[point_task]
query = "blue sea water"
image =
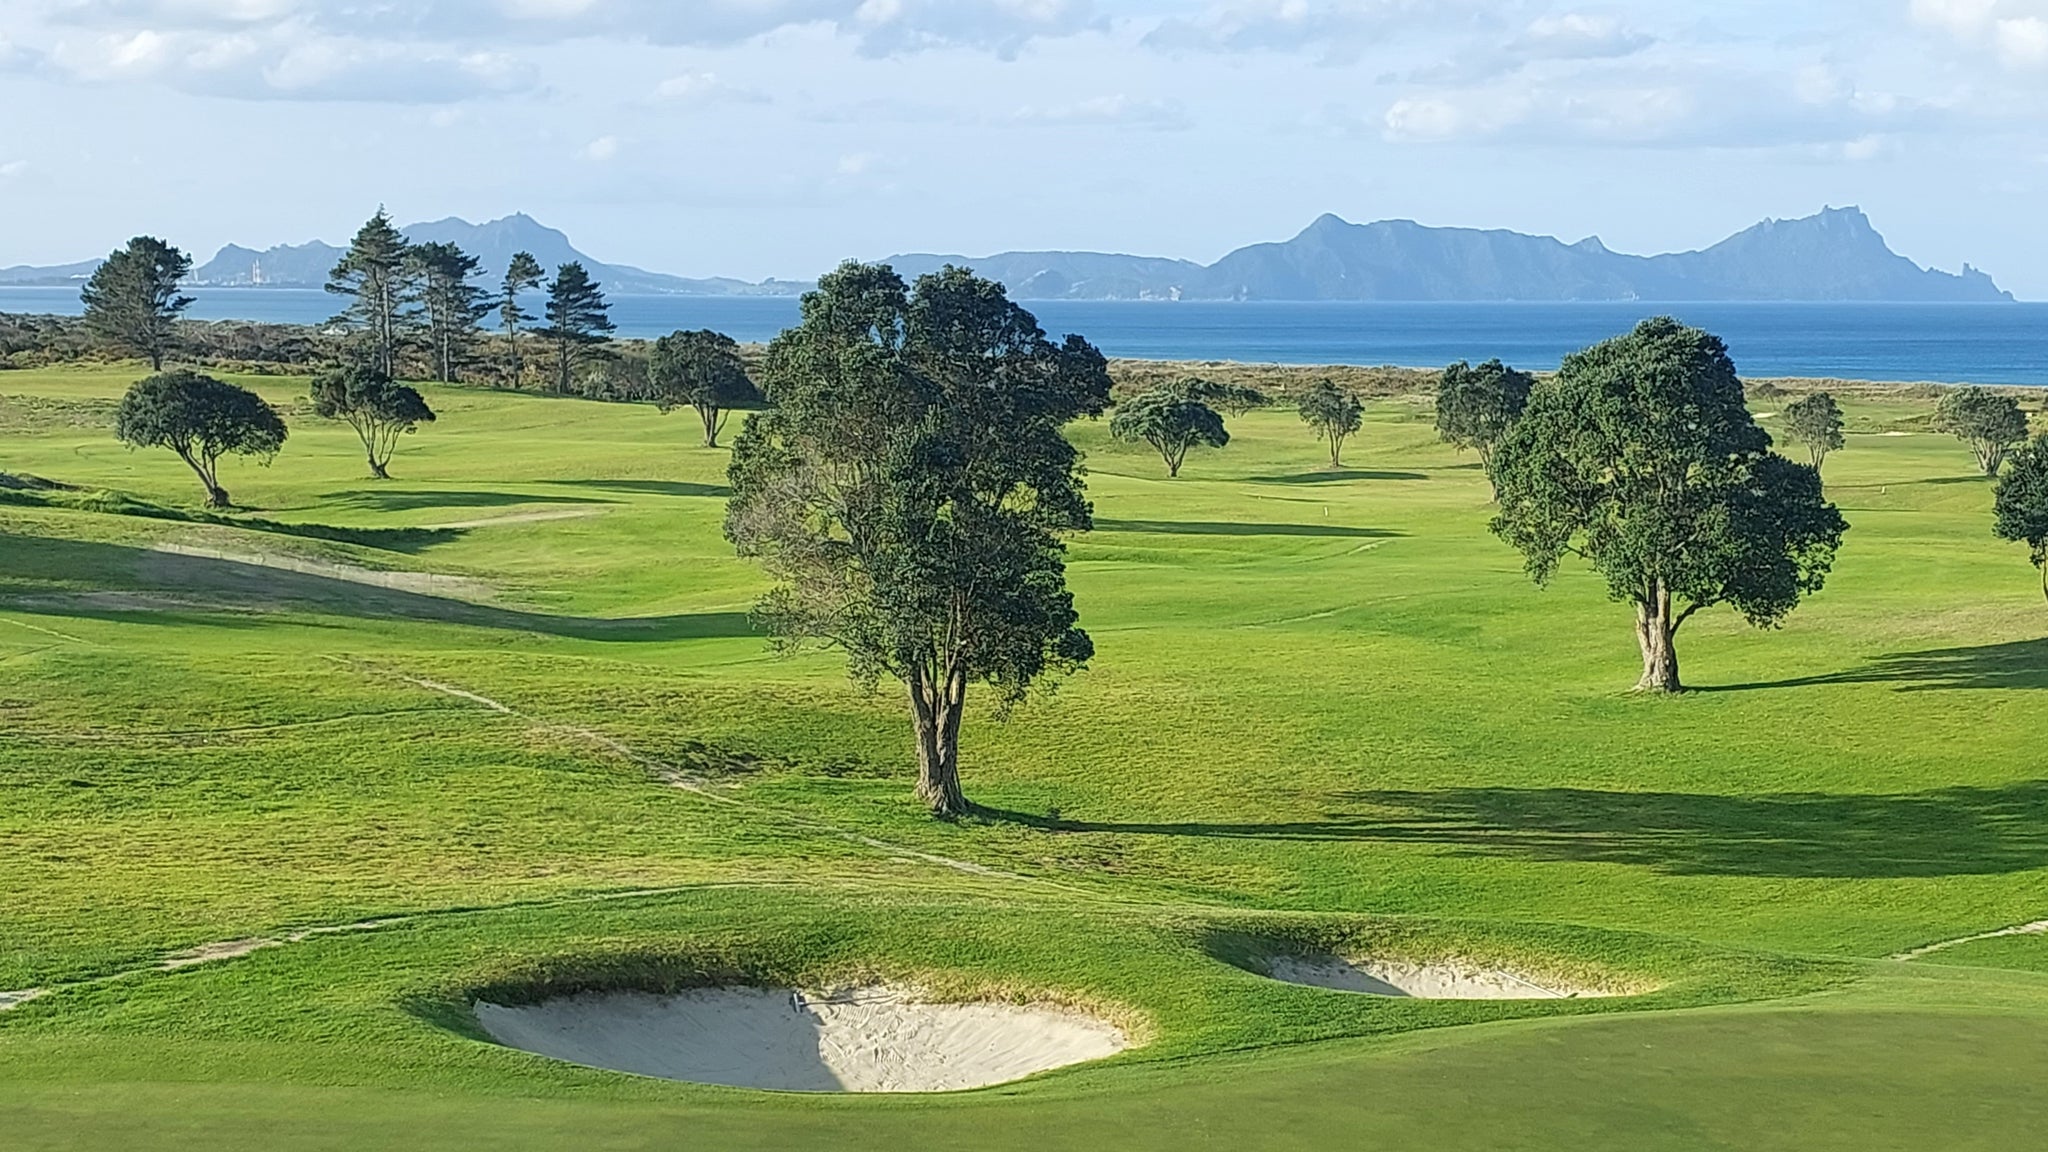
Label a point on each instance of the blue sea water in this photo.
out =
(1970, 343)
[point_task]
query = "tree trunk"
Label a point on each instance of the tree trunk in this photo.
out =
(217, 497)
(377, 471)
(1656, 631)
(935, 709)
(709, 415)
(1336, 452)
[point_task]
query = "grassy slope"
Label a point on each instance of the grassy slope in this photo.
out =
(1325, 694)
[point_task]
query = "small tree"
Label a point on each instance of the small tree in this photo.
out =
(201, 419)
(1816, 422)
(1475, 407)
(1335, 415)
(1640, 457)
(910, 490)
(1991, 423)
(132, 302)
(2021, 505)
(523, 274)
(578, 320)
(453, 304)
(379, 408)
(376, 274)
(1170, 422)
(700, 370)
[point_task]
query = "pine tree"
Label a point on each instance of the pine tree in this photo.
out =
(453, 305)
(522, 275)
(578, 320)
(378, 276)
(132, 301)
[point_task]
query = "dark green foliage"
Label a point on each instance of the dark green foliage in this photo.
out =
(1991, 423)
(377, 274)
(132, 303)
(1640, 457)
(1335, 415)
(1171, 422)
(1222, 395)
(578, 320)
(2021, 506)
(701, 370)
(910, 487)
(452, 303)
(1475, 407)
(379, 408)
(1816, 422)
(201, 419)
(523, 274)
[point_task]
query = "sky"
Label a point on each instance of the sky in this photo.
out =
(763, 138)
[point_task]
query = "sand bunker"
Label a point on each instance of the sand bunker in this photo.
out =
(1448, 980)
(873, 1039)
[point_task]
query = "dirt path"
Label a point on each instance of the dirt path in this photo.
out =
(2037, 928)
(519, 518)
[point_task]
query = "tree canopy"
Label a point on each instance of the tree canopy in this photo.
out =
(2021, 504)
(578, 320)
(701, 370)
(1991, 423)
(379, 408)
(1640, 457)
(1222, 395)
(1335, 415)
(1171, 422)
(132, 301)
(1815, 421)
(909, 490)
(377, 275)
(201, 419)
(1475, 407)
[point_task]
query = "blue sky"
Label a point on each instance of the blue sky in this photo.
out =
(774, 137)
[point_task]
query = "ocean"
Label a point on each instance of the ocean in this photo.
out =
(1957, 343)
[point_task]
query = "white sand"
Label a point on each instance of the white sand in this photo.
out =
(1450, 980)
(872, 1039)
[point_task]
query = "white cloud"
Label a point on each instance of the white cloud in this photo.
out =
(2023, 41)
(856, 163)
(12, 168)
(1337, 30)
(603, 148)
(2014, 31)
(1116, 110)
(706, 88)
(1579, 36)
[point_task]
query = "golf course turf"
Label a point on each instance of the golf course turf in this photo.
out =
(499, 727)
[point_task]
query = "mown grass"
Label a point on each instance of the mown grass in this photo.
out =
(1327, 707)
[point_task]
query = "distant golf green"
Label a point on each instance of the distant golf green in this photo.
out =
(372, 748)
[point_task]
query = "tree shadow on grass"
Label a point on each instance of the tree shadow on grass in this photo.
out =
(1943, 832)
(2017, 664)
(408, 500)
(130, 579)
(1231, 528)
(650, 487)
(1337, 476)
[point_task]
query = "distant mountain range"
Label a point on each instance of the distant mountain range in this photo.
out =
(1833, 256)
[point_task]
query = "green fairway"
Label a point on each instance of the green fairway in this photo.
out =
(421, 738)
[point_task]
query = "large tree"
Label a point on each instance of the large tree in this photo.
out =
(377, 275)
(523, 274)
(1171, 422)
(1991, 423)
(132, 301)
(453, 304)
(379, 408)
(201, 419)
(910, 489)
(2021, 505)
(1475, 407)
(1640, 457)
(700, 370)
(1815, 421)
(578, 320)
(1335, 415)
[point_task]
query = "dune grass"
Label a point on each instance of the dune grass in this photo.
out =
(1327, 706)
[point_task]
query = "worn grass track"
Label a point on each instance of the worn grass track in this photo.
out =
(1327, 706)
